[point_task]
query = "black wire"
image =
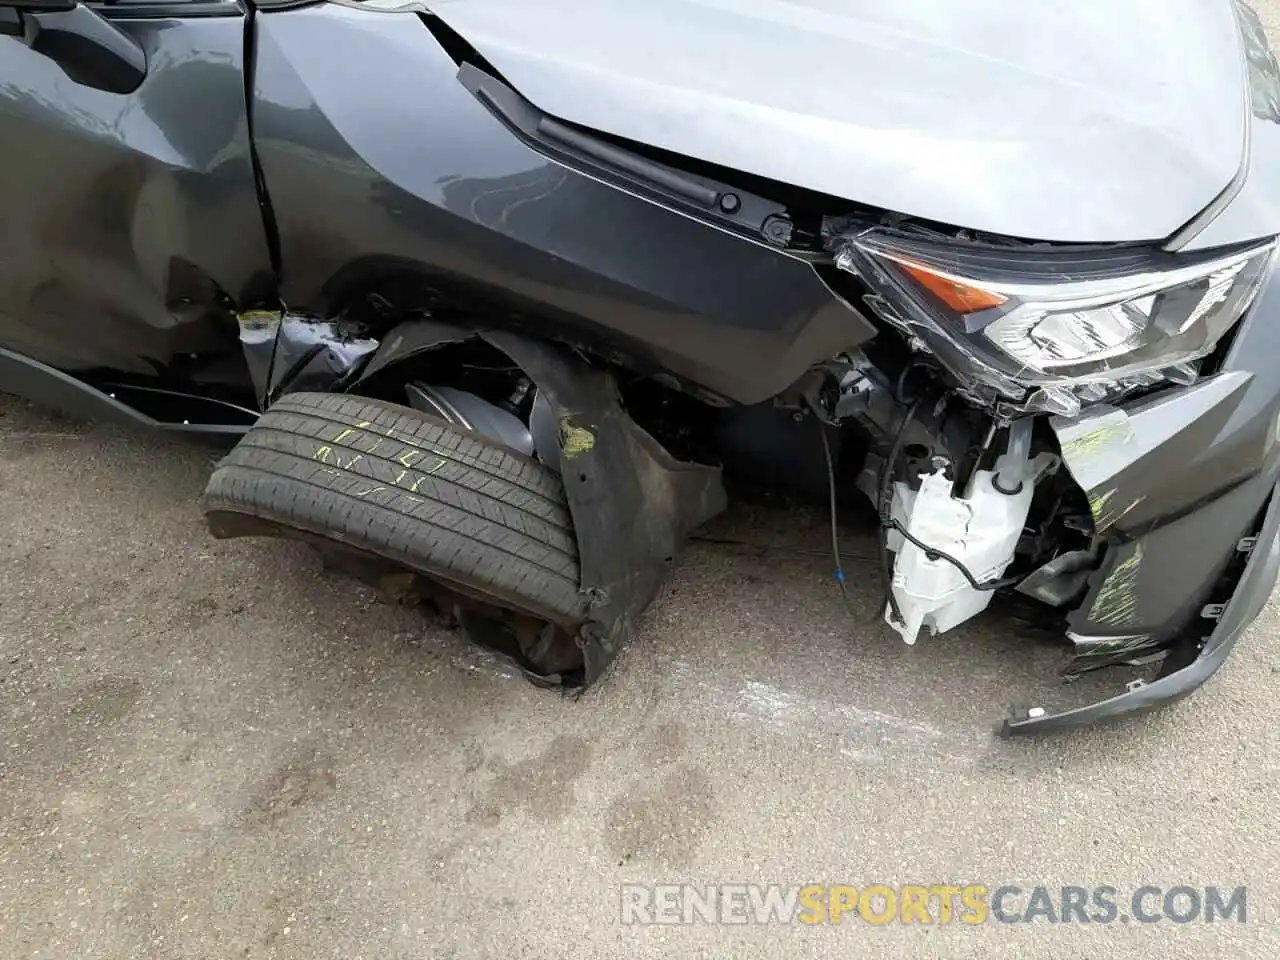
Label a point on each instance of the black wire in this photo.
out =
(899, 385)
(933, 552)
(884, 505)
(831, 489)
(835, 533)
(887, 523)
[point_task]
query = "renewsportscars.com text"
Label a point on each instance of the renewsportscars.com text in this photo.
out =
(926, 904)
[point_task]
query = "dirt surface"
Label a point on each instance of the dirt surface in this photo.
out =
(216, 749)
(219, 750)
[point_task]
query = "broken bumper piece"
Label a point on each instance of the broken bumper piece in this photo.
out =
(1251, 594)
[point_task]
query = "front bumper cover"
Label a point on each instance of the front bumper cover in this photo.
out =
(1177, 499)
(1251, 594)
(1177, 482)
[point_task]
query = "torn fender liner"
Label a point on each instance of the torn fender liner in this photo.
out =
(410, 339)
(632, 503)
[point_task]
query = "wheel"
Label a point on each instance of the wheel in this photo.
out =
(404, 489)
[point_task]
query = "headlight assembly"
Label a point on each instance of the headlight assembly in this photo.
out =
(1050, 329)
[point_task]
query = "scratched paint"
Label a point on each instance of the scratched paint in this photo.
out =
(1106, 510)
(1117, 601)
(1098, 503)
(1113, 429)
(1106, 651)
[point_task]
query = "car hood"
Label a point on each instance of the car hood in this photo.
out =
(1080, 121)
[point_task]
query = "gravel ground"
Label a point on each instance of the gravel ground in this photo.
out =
(219, 750)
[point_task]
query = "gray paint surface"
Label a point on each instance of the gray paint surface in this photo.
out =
(126, 218)
(477, 206)
(1082, 121)
(1255, 210)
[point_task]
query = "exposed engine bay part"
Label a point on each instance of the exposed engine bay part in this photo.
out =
(943, 542)
(1062, 579)
(958, 492)
(891, 411)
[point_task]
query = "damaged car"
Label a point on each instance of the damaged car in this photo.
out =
(490, 296)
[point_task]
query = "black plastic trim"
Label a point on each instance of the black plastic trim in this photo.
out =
(51, 387)
(579, 150)
(630, 163)
(173, 9)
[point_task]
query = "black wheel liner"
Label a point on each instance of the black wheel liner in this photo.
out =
(632, 503)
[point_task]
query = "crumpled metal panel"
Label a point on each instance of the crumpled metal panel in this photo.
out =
(287, 353)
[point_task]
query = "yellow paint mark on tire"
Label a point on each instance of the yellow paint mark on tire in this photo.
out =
(350, 430)
(404, 460)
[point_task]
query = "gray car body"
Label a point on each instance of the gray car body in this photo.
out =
(347, 133)
(1087, 122)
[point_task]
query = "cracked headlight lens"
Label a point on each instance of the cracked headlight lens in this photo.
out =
(1048, 328)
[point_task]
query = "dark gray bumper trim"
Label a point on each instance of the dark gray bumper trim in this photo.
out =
(1251, 594)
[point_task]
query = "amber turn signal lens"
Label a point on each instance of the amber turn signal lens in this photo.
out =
(957, 295)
